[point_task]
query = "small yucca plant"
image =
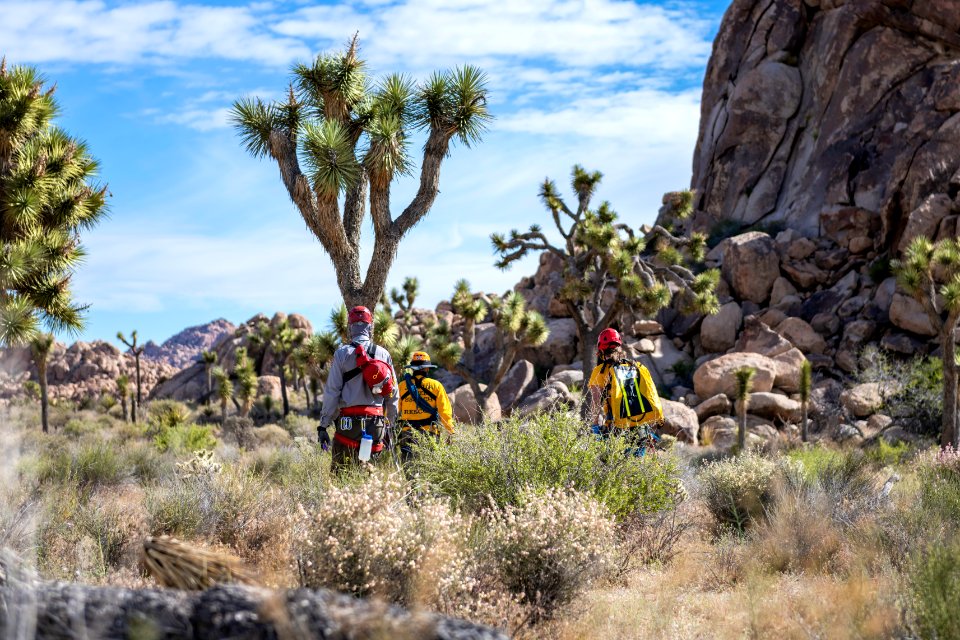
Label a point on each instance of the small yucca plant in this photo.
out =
(806, 375)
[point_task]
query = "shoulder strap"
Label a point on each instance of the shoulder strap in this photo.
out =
(353, 373)
(418, 400)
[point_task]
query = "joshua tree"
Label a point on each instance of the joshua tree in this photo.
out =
(608, 268)
(316, 353)
(47, 198)
(405, 298)
(224, 391)
(931, 274)
(284, 342)
(209, 359)
(353, 138)
(137, 351)
(123, 390)
(806, 374)
(516, 326)
(744, 377)
(40, 346)
(246, 378)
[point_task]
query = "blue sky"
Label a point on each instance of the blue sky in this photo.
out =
(199, 230)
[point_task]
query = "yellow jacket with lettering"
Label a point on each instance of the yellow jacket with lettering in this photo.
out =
(433, 393)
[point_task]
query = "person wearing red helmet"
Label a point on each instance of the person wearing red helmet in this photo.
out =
(621, 394)
(360, 398)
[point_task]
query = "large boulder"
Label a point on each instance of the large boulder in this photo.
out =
(665, 358)
(519, 382)
(717, 375)
(467, 409)
(799, 124)
(543, 399)
(774, 406)
(718, 332)
(269, 386)
(863, 400)
(802, 335)
(680, 421)
(751, 265)
(757, 337)
(908, 314)
(560, 347)
(788, 366)
(718, 405)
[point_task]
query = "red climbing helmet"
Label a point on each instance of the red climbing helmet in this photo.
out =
(360, 314)
(608, 338)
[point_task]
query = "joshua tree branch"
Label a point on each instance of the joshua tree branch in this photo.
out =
(433, 154)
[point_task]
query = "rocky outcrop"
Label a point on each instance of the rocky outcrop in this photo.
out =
(80, 372)
(185, 347)
(837, 118)
(63, 610)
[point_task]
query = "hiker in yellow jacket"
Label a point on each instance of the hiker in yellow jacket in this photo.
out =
(424, 404)
(622, 395)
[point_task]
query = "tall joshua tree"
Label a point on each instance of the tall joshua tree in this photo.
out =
(224, 391)
(516, 325)
(931, 274)
(209, 359)
(744, 376)
(352, 137)
(123, 390)
(137, 351)
(602, 256)
(284, 341)
(246, 378)
(40, 346)
(405, 297)
(47, 198)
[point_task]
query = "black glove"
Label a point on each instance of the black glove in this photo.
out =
(323, 438)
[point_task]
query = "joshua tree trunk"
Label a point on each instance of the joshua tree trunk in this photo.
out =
(209, 383)
(123, 407)
(44, 398)
(223, 411)
(136, 406)
(804, 424)
(742, 428)
(948, 437)
(283, 390)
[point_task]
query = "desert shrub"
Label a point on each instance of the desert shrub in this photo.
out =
(107, 402)
(915, 389)
(934, 584)
(273, 464)
(76, 428)
(271, 435)
(92, 463)
(371, 539)
(162, 414)
(229, 507)
(885, 454)
(651, 538)
(737, 490)
(184, 438)
(548, 450)
(938, 502)
(552, 545)
(813, 459)
(307, 479)
(110, 531)
(297, 425)
(32, 389)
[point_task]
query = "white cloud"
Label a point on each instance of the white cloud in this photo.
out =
(200, 119)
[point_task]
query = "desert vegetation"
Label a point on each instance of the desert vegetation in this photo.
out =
(525, 524)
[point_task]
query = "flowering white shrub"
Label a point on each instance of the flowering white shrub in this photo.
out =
(552, 545)
(373, 538)
(736, 489)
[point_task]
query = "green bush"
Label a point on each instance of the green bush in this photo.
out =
(885, 454)
(934, 581)
(549, 450)
(88, 464)
(163, 414)
(185, 438)
(915, 398)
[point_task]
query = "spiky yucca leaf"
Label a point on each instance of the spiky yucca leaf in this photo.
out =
(329, 154)
(533, 329)
(224, 387)
(387, 155)
(254, 121)
(385, 329)
(338, 322)
(176, 565)
(744, 377)
(951, 293)
(403, 349)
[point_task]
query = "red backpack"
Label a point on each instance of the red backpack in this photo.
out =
(377, 374)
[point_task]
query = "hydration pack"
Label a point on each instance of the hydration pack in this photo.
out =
(632, 398)
(377, 374)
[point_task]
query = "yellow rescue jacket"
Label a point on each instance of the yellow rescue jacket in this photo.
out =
(433, 393)
(627, 394)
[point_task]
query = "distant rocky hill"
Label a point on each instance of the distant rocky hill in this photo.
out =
(185, 347)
